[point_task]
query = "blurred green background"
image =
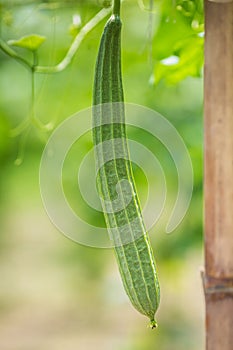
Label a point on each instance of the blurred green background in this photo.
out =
(54, 293)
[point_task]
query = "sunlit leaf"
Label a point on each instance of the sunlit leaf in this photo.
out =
(31, 42)
(178, 42)
(186, 61)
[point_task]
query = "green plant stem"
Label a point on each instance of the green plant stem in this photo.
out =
(34, 120)
(70, 53)
(75, 44)
(35, 59)
(10, 52)
(116, 7)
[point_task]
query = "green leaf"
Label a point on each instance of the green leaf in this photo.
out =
(31, 42)
(187, 60)
(7, 18)
(178, 41)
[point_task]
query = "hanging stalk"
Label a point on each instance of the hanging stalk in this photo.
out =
(218, 276)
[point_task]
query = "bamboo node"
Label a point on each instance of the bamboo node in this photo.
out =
(213, 285)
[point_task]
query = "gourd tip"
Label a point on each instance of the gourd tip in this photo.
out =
(153, 324)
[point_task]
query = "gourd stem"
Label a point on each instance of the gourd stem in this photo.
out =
(116, 7)
(10, 52)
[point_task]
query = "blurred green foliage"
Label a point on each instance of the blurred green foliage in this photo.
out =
(46, 276)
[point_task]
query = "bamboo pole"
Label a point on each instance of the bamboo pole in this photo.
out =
(218, 179)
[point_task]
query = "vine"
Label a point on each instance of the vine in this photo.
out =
(182, 56)
(5, 47)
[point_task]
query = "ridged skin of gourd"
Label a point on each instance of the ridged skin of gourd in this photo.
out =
(125, 225)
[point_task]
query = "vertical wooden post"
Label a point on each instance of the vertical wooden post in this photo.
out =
(218, 183)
